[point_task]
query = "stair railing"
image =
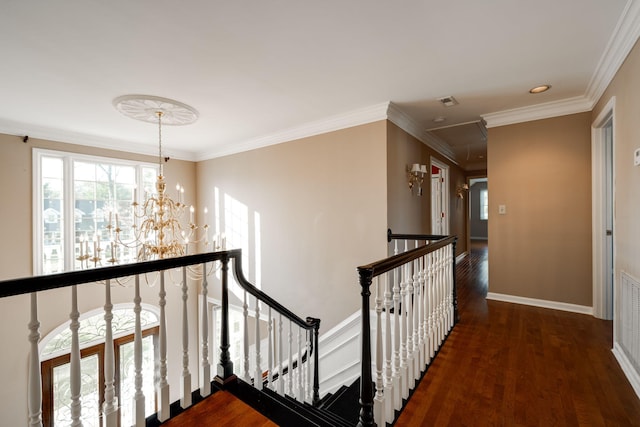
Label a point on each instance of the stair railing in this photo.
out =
(38, 286)
(287, 369)
(415, 308)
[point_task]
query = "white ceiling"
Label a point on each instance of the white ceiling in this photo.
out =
(259, 72)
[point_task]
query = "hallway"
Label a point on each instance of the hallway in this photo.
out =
(507, 364)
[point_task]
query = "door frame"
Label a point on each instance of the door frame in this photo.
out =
(603, 295)
(445, 193)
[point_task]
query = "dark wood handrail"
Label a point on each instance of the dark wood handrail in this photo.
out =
(26, 285)
(308, 323)
(367, 273)
(391, 236)
(382, 266)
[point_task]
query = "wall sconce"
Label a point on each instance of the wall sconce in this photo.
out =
(415, 176)
(461, 189)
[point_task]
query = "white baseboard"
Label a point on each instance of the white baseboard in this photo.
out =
(627, 367)
(461, 256)
(555, 305)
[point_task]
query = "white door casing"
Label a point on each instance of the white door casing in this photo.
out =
(439, 198)
(603, 218)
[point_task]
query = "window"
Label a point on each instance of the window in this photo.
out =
(76, 197)
(484, 204)
(56, 376)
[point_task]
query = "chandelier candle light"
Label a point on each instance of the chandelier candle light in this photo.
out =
(157, 229)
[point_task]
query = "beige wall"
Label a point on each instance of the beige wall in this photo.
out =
(54, 306)
(409, 213)
(541, 171)
(626, 88)
(321, 203)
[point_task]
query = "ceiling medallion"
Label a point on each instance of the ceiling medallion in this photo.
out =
(146, 108)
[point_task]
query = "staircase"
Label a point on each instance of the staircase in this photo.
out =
(339, 409)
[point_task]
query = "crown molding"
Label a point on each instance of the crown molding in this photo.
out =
(622, 40)
(578, 104)
(409, 125)
(353, 118)
(87, 140)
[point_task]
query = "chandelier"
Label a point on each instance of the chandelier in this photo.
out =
(158, 230)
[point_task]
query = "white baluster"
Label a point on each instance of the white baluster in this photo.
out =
(245, 316)
(415, 302)
(404, 383)
(307, 383)
(35, 378)
(397, 373)
(270, 353)
(429, 292)
(440, 297)
(410, 348)
(76, 405)
(162, 388)
(257, 379)
(421, 310)
(425, 308)
(138, 398)
(290, 368)
(299, 368)
(110, 406)
(205, 385)
(450, 259)
(378, 400)
(280, 373)
(185, 392)
(388, 381)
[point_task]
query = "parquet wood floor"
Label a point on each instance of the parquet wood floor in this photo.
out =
(514, 365)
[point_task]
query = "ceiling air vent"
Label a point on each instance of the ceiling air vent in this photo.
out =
(448, 101)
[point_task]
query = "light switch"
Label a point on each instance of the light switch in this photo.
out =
(502, 209)
(636, 157)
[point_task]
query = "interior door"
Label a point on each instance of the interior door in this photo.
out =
(437, 208)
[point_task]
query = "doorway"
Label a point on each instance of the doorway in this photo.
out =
(439, 198)
(603, 225)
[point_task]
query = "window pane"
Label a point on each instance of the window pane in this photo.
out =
(89, 394)
(484, 204)
(52, 215)
(92, 330)
(127, 380)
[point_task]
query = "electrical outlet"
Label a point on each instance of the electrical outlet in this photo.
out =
(502, 209)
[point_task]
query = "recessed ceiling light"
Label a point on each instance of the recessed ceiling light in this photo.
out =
(540, 89)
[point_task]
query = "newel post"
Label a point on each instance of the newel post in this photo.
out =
(316, 381)
(225, 367)
(366, 383)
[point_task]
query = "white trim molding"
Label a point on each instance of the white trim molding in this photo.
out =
(563, 107)
(620, 44)
(622, 40)
(398, 117)
(627, 368)
(346, 120)
(554, 305)
(602, 296)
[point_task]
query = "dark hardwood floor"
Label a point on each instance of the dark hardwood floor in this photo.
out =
(514, 365)
(222, 409)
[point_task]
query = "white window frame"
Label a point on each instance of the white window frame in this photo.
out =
(68, 203)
